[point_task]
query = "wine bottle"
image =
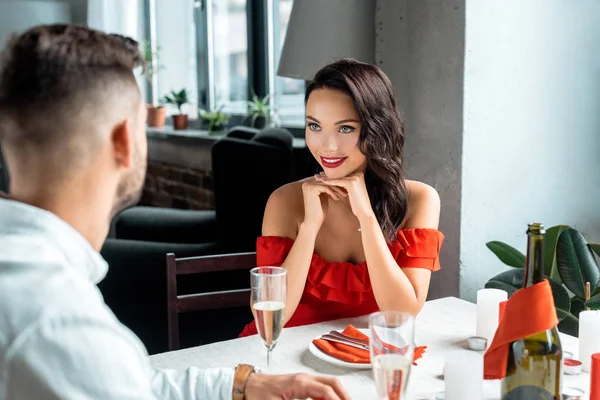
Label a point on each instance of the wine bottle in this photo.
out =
(534, 368)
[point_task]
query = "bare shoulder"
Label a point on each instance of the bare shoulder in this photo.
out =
(288, 196)
(423, 206)
(284, 210)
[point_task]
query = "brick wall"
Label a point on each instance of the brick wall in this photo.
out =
(172, 186)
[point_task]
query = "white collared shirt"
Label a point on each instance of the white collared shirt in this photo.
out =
(58, 340)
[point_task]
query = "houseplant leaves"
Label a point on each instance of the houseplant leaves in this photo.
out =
(594, 302)
(550, 242)
(507, 254)
(509, 281)
(576, 262)
(595, 247)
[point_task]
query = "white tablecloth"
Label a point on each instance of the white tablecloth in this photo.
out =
(442, 325)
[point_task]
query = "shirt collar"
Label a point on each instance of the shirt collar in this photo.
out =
(23, 219)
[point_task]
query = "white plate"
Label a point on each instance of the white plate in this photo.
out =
(332, 360)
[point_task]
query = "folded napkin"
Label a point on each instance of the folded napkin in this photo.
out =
(528, 311)
(352, 354)
(501, 309)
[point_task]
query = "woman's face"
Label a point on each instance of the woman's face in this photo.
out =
(332, 131)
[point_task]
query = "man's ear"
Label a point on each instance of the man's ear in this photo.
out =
(122, 143)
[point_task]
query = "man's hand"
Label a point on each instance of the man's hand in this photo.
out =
(296, 386)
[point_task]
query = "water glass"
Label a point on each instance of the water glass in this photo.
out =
(392, 350)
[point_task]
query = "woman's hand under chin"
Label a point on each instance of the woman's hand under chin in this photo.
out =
(354, 185)
(316, 203)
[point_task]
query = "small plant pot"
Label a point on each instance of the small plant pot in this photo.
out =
(217, 130)
(156, 116)
(260, 122)
(180, 121)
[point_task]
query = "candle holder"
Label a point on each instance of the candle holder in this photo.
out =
(572, 393)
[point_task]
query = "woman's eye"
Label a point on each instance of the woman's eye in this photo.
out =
(346, 129)
(314, 127)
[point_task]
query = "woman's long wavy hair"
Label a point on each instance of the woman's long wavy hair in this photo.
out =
(381, 137)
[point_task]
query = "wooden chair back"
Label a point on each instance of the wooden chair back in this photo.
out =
(177, 304)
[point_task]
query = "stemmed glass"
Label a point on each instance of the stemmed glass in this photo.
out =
(269, 286)
(392, 350)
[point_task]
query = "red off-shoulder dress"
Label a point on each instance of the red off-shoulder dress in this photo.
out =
(336, 290)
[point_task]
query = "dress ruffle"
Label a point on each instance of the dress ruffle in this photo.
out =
(349, 283)
(342, 290)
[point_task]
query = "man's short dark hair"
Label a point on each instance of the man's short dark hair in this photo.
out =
(60, 81)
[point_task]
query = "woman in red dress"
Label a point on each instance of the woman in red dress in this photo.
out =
(358, 237)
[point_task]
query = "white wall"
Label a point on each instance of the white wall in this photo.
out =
(420, 46)
(531, 140)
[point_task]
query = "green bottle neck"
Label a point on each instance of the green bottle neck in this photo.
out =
(534, 263)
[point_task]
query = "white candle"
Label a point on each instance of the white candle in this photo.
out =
(463, 375)
(589, 337)
(488, 309)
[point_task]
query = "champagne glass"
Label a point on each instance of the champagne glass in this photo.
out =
(392, 348)
(269, 286)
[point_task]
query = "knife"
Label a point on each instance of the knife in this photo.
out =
(332, 338)
(346, 337)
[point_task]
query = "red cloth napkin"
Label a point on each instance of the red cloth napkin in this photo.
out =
(501, 309)
(595, 377)
(352, 354)
(528, 311)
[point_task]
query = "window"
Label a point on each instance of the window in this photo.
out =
(175, 37)
(229, 43)
(222, 51)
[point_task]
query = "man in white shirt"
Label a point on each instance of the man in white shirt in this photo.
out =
(72, 126)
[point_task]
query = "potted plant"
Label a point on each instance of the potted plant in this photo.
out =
(178, 99)
(569, 263)
(156, 114)
(259, 111)
(216, 120)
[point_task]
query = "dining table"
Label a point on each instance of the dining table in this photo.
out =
(442, 325)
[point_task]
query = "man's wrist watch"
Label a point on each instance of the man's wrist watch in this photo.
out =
(240, 380)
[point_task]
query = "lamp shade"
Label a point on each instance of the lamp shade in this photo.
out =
(19, 15)
(320, 32)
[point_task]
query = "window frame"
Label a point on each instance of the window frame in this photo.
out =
(262, 72)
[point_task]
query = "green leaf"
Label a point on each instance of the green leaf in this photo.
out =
(562, 315)
(577, 306)
(570, 322)
(594, 302)
(550, 241)
(595, 247)
(510, 281)
(576, 262)
(562, 301)
(507, 254)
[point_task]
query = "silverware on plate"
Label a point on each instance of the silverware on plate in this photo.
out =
(346, 337)
(347, 342)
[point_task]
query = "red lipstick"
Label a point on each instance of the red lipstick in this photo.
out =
(332, 162)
